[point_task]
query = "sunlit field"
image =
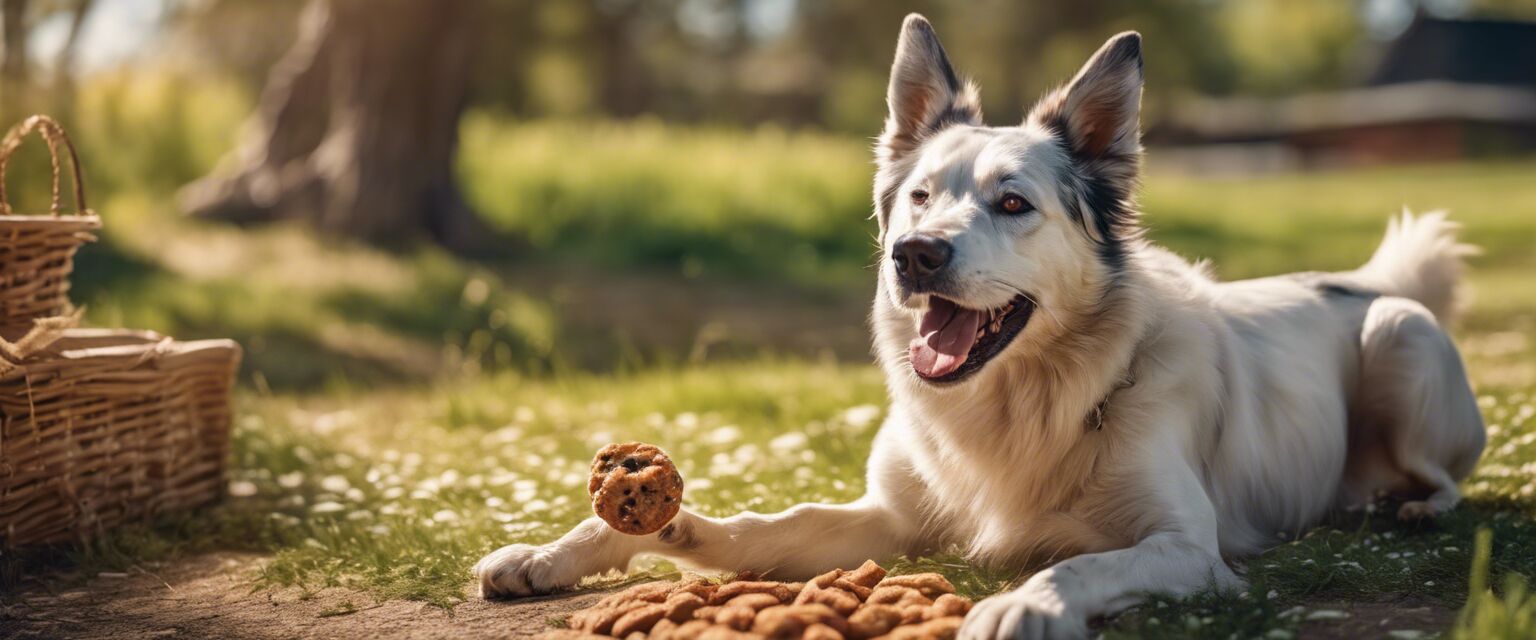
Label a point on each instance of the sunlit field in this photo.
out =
(403, 412)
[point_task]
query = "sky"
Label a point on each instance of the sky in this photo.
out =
(116, 31)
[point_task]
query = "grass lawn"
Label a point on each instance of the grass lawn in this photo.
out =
(405, 412)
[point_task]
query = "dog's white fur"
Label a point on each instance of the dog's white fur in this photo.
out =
(1233, 414)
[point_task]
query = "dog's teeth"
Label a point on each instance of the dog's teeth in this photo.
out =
(981, 332)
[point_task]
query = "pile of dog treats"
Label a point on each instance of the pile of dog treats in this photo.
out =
(861, 604)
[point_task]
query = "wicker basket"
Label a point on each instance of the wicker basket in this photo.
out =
(37, 251)
(103, 426)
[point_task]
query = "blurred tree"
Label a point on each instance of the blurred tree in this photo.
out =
(19, 84)
(357, 127)
(64, 62)
(13, 57)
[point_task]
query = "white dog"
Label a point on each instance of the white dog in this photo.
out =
(1067, 397)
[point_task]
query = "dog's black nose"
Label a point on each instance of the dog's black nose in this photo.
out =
(919, 256)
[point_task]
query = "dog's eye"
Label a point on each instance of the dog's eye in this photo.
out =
(919, 196)
(1014, 203)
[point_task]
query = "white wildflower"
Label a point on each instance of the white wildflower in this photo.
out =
(327, 507)
(861, 416)
(792, 441)
(724, 435)
(335, 484)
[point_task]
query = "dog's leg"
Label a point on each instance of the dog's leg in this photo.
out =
(802, 541)
(1419, 404)
(1179, 558)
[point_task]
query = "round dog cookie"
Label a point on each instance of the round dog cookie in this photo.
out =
(635, 488)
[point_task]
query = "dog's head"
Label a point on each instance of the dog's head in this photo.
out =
(988, 232)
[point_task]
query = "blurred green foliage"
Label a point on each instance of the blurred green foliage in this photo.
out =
(1490, 616)
(754, 202)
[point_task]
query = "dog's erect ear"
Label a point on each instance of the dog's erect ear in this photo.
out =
(925, 95)
(1099, 112)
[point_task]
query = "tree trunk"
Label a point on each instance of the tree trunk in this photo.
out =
(357, 128)
(13, 60)
(13, 19)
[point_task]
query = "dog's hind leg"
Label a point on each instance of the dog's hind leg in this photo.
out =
(1416, 415)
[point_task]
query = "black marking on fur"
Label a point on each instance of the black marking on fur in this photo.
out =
(1338, 290)
(952, 115)
(1110, 216)
(1332, 286)
(952, 80)
(679, 535)
(1103, 177)
(1127, 50)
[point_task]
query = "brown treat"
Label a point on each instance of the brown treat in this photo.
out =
(754, 601)
(645, 592)
(641, 619)
(794, 589)
(929, 584)
(635, 488)
(826, 579)
(912, 613)
(699, 587)
(663, 629)
(841, 601)
(705, 613)
(733, 589)
(945, 628)
(738, 618)
(852, 587)
(691, 630)
(569, 634)
(722, 632)
(913, 599)
(600, 620)
(681, 606)
(948, 605)
(777, 622)
(867, 575)
(820, 631)
(884, 594)
(942, 629)
(790, 621)
(632, 455)
(873, 620)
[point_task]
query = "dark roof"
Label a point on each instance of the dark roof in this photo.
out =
(1497, 52)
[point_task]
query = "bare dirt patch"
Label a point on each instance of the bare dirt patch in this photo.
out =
(209, 596)
(1376, 619)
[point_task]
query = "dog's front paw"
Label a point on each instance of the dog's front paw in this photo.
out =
(521, 570)
(1025, 614)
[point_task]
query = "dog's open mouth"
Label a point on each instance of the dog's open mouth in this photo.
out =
(953, 342)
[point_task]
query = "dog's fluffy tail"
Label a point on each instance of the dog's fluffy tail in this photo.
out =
(1421, 259)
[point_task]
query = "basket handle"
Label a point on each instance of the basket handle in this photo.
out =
(52, 134)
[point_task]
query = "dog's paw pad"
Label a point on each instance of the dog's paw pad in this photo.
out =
(1416, 511)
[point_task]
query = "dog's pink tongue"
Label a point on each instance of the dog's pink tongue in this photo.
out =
(947, 332)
